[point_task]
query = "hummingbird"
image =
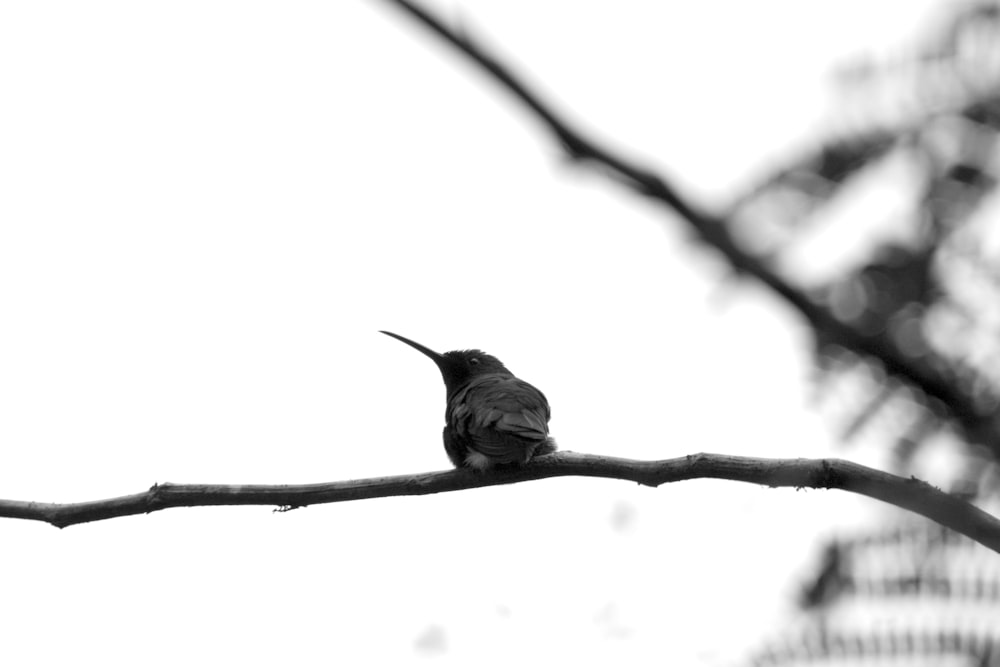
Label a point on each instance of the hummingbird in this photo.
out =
(492, 418)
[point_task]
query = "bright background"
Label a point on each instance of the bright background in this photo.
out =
(207, 211)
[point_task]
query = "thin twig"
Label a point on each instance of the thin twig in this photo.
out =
(980, 424)
(910, 494)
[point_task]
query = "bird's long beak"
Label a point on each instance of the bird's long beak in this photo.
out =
(435, 357)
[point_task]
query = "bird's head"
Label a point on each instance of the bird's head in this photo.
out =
(458, 366)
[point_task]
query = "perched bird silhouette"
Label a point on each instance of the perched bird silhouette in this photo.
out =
(492, 418)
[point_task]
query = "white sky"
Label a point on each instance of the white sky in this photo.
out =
(207, 211)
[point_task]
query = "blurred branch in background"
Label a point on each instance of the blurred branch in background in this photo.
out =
(875, 318)
(910, 494)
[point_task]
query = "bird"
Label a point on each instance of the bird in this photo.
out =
(492, 418)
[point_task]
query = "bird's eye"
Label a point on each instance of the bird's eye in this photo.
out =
(474, 361)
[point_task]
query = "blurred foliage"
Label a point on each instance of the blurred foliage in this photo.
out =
(913, 592)
(920, 131)
(923, 132)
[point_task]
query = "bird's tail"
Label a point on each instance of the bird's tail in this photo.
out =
(547, 446)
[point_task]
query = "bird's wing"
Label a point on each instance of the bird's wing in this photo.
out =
(503, 416)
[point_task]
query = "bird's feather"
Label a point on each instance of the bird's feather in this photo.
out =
(501, 417)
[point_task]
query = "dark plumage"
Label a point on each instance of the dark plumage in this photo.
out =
(492, 418)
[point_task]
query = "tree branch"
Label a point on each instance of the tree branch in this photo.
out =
(910, 494)
(980, 423)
